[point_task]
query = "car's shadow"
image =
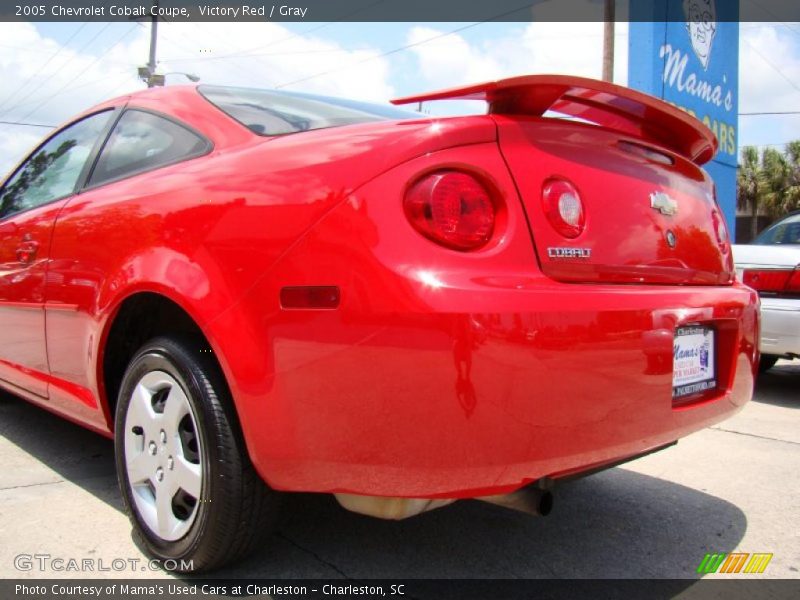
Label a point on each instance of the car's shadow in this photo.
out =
(614, 524)
(779, 385)
(74, 453)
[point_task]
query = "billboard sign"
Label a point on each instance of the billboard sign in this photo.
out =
(687, 53)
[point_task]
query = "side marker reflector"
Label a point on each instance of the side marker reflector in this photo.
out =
(310, 297)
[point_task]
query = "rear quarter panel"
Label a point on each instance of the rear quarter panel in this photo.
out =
(204, 233)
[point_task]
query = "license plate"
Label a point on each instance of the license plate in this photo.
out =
(693, 364)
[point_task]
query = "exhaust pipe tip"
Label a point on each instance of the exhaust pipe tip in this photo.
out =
(545, 503)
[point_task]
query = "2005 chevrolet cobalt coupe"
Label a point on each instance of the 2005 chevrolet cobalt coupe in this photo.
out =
(255, 292)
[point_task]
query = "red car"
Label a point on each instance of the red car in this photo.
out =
(256, 291)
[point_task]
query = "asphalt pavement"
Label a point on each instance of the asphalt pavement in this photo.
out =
(732, 487)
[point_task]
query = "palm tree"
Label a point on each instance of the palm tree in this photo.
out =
(769, 183)
(748, 185)
(792, 153)
(776, 176)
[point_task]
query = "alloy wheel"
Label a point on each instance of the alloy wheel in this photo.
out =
(163, 458)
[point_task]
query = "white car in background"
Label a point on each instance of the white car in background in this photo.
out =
(771, 265)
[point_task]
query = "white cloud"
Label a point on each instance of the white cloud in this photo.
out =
(769, 78)
(45, 86)
(14, 146)
(542, 47)
(74, 81)
(269, 55)
(769, 68)
(766, 52)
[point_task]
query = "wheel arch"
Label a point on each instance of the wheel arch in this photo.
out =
(133, 319)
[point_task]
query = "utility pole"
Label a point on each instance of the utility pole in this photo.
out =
(148, 73)
(151, 64)
(608, 40)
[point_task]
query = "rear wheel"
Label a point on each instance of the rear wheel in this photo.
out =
(767, 362)
(189, 487)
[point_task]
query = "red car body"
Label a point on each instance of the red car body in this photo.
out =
(428, 372)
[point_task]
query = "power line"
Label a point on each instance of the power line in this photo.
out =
(294, 52)
(767, 145)
(102, 79)
(247, 72)
(248, 52)
(79, 75)
(775, 17)
(42, 68)
(28, 124)
(401, 48)
(770, 63)
(777, 112)
(260, 54)
(26, 49)
(21, 101)
(65, 45)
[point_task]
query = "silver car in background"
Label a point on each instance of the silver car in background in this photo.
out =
(771, 265)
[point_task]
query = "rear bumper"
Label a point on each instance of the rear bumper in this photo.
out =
(525, 379)
(780, 326)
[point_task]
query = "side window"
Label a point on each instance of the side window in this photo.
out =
(778, 235)
(786, 231)
(794, 233)
(770, 236)
(142, 141)
(53, 170)
(791, 234)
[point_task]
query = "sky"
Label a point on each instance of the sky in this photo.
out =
(51, 71)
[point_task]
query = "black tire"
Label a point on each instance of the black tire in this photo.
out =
(767, 362)
(236, 508)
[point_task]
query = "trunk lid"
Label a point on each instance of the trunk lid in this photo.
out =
(646, 221)
(650, 215)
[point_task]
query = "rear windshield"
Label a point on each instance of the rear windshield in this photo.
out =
(278, 113)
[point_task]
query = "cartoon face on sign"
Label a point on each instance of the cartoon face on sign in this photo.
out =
(701, 22)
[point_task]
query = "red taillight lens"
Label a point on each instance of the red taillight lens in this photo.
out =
(451, 208)
(563, 207)
(769, 280)
(794, 281)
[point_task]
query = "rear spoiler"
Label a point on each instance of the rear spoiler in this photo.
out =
(615, 107)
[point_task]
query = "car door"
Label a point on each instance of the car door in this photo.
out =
(29, 204)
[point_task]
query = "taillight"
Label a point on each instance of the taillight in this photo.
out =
(563, 207)
(452, 208)
(794, 281)
(773, 280)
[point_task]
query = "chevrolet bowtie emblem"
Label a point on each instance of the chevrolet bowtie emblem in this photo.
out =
(663, 203)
